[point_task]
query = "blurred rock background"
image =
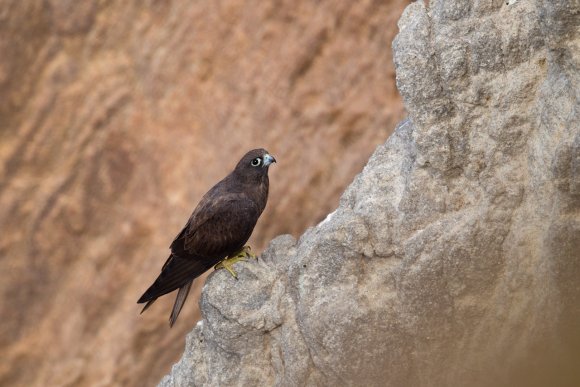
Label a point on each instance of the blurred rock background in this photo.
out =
(116, 116)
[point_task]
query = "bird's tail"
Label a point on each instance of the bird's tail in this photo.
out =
(177, 273)
(179, 301)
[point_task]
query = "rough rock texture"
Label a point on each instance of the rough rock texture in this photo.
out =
(453, 259)
(116, 116)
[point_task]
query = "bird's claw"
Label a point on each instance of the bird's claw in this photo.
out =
(241, 256)
(247, 252)
(227, 264)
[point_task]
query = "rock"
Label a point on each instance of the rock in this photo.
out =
(454, 257)
(116, 116)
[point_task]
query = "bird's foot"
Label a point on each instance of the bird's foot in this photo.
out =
(228, 264)
(246, 251)
(241, 256)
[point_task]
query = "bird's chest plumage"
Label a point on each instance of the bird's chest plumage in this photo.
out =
(255, 189)
(261, 194)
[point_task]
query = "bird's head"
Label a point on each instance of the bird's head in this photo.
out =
(255, 163)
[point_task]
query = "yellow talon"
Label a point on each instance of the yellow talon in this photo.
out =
(247, 251)
(227, 264)
(239, 256)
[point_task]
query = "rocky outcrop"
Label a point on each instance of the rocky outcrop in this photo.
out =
(454, 257)
(116, 116)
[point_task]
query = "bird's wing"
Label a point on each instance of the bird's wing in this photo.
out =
(222, 227)
(202, 212)
(226, 225)
(176, 273)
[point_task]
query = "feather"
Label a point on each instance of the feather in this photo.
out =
(179, 301)
(147, 305)
(176, 273)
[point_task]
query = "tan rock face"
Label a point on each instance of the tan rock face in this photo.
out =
(115, 117)
(453, 258)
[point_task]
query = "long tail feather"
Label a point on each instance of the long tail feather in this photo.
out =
(147, 305)
(179, 301)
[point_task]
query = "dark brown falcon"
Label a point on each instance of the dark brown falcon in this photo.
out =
(218, 228)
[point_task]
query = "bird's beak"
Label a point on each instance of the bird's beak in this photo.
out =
(268, 159)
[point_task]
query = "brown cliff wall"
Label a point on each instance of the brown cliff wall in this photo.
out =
(116, 116)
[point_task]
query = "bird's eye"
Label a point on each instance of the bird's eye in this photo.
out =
(256, 162)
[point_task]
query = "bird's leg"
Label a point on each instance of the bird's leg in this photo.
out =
(239, 256)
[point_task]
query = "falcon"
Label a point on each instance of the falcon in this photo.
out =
(217, 230)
